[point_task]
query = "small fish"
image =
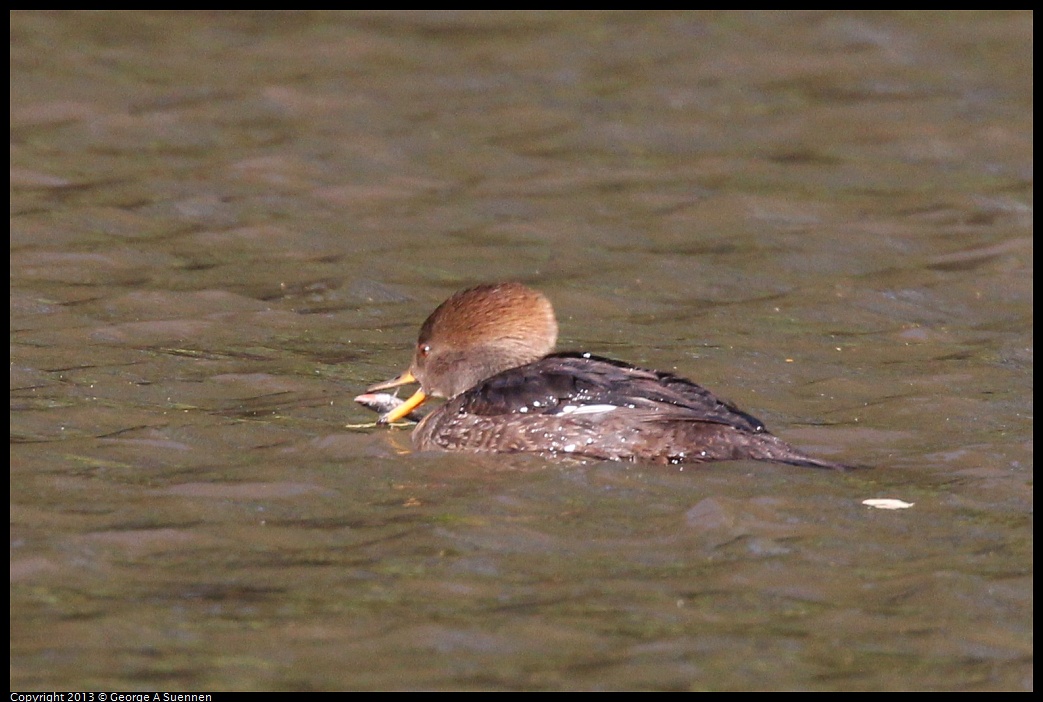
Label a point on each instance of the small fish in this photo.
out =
(382, 403)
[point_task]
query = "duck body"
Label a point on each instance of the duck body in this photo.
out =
(506, 393)
(583, 405)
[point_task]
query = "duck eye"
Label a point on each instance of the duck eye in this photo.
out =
(423, 350)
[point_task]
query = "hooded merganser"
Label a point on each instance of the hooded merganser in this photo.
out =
(488, 350)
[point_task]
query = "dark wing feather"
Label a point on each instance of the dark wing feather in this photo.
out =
(547, 385)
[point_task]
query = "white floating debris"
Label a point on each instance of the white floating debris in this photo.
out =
(888, 503)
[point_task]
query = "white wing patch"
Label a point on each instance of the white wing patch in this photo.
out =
(587, 409)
